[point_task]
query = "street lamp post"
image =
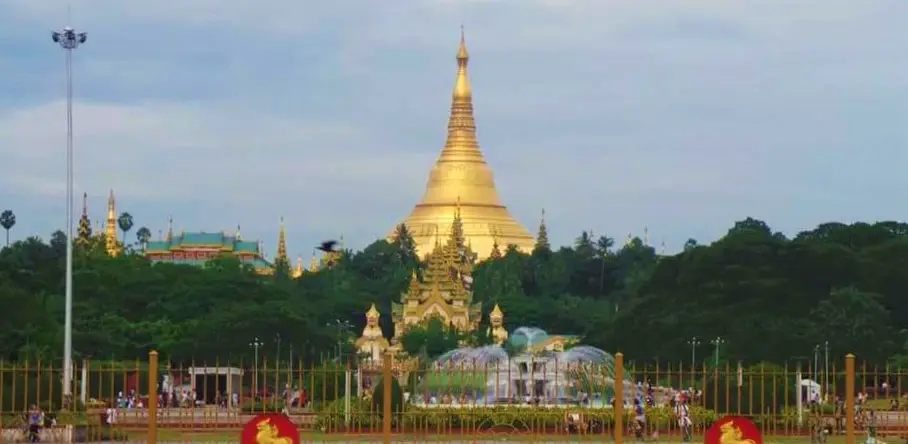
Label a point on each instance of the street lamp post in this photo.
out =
(342, 327)
(816, 363)
(256, 344)
(718, 343)
(69, 40)
(277, 338)
(693, 343)
(826, 368)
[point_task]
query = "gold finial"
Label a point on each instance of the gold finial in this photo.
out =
(170, 229)
(85, 204)
(496, 312)
(372, 312)
(646, 236)
(462, 53)
(462, 90)
(238, 235)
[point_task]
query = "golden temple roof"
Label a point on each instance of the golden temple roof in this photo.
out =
(461, 173)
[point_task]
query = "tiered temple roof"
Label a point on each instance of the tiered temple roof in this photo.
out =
(198, 248)
(445, 289)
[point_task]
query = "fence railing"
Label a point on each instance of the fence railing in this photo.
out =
(535, 396)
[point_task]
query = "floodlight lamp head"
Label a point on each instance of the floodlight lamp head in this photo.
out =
(82, 37)
(56, 36)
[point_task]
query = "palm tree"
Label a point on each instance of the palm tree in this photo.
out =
(7, 221)
(125, 222)
(143, 235)
(603, 247)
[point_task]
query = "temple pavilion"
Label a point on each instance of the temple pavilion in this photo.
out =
(462, 178)
(194, 248)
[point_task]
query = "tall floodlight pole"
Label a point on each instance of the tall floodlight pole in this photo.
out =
(693, 343)
(718, 343)
(255, 345)
(69, 40)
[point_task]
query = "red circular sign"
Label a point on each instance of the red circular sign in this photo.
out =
(270, 428)
(733, 430)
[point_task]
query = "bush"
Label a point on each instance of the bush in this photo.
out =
(364, 416)
(253, 406)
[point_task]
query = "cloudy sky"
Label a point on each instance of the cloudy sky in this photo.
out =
(679, 116)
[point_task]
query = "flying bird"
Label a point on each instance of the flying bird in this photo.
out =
(328, 246)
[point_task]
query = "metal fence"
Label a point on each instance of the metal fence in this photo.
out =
(146, 400)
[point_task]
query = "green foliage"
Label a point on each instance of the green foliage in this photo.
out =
(771, 298)
(378, 397)
(431, 338)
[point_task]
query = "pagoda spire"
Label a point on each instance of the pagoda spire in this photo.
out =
(496, 251)
(542, 238)
(281, 257)
(110, 231)
(461, 171)
(170, 229)
(84, 224)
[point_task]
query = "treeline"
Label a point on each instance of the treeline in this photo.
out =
(768, 297)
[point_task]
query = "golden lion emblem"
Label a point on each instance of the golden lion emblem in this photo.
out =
(269, 434)
(731, 434)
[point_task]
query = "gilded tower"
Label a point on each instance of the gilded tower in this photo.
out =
(84, 238)
(281, 260)
(462, 174)
(110, 230)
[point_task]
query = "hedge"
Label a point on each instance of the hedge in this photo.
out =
(364, 416)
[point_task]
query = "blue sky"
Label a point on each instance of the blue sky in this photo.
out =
(679, 116)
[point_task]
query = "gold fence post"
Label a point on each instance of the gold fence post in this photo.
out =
(152, 397)
(386, 397)
(849, 399)
(619, 398)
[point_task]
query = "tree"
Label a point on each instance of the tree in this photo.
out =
(125, 223)
(770, 297)
(7, 221)
(143, 235)
(432, 338)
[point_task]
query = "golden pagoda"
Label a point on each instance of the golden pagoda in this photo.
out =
(462, 174)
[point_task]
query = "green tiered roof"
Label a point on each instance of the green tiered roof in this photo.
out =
(246, 251)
